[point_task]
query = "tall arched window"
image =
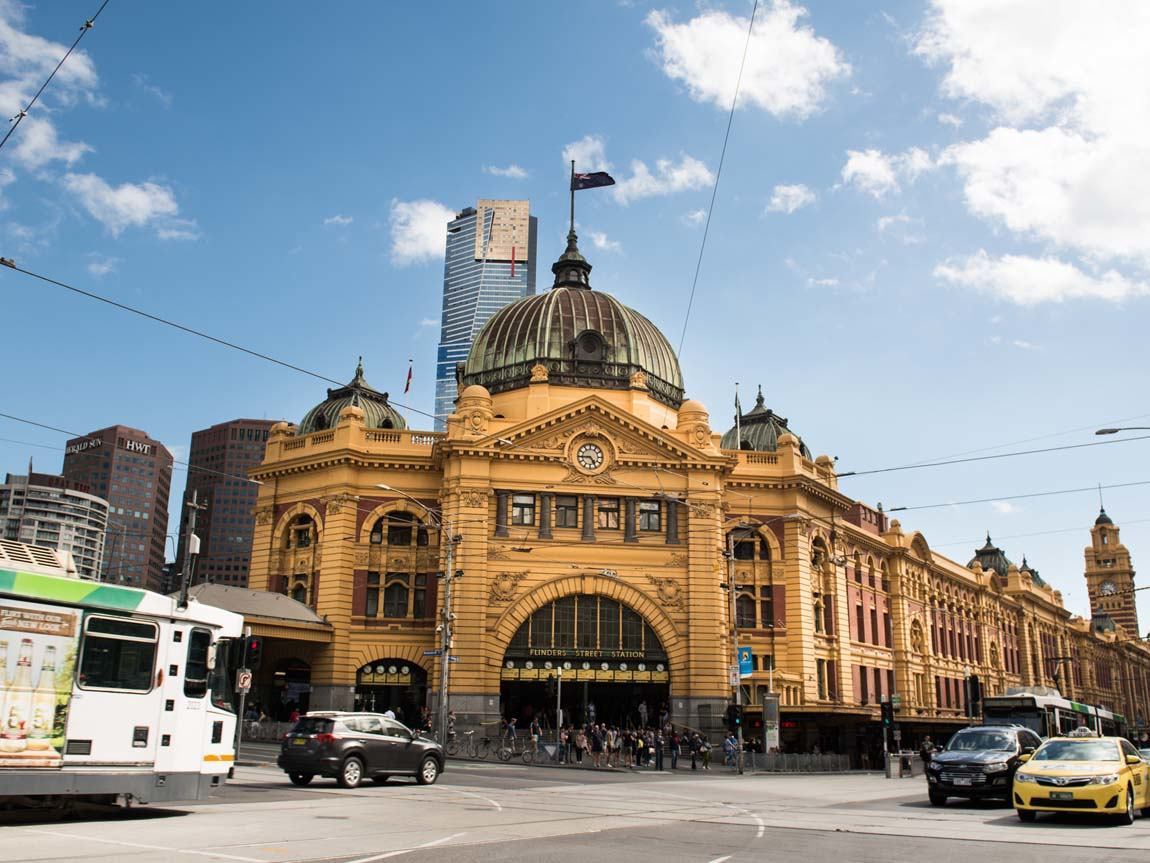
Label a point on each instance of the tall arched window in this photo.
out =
(745, 611)
(395, 599)
(299, 594)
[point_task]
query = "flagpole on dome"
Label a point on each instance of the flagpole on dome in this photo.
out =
(572, 184)
(738, 419)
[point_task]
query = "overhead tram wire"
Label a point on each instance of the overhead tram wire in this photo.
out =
(15, 121)
(718, 174)
(1091, 488)
(984, 457)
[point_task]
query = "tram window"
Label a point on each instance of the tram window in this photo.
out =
(566, 511)
(609, 513)
(196, 665)
(117, 654)
(523, 509)
(650, 515)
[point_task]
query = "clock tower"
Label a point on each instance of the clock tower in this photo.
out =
(1110, 577)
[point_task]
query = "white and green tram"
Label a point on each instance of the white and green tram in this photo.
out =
(1048, 714)
(108, 693)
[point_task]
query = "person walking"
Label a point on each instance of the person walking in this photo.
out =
(596, 746)
(536, 731)
(705, 749)
(674, 746)
(731, 750)
(580, 745)
(659, 742)
(693, 744)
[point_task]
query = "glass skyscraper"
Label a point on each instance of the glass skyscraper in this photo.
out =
(490, 262)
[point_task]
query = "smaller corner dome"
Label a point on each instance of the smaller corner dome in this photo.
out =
(1103, 518)
(1033, 573)
(761, 429)
(991, 557)
(377, 413)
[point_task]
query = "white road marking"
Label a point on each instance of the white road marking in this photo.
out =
(430, 844)
(217, 854)
(721, 859)
(494, 803)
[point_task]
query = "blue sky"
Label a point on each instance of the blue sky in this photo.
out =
(930, 235)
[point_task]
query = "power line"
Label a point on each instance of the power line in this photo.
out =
(718, 174)
(1091, 488)
(88, 25)
(987, 457)
(1075, 529)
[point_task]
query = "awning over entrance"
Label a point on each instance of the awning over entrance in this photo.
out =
(271, 615)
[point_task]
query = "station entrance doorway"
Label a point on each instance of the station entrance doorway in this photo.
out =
(594, 657)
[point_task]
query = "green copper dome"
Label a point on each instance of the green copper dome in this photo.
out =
(377, 413)
(990, 557)
(761, 429)
(584, 338)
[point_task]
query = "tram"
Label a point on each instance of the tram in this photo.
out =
(108, 694)
(1048, 714)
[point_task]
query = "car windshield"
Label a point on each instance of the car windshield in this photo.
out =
(312, 725)
(1077, 750)
(969, 741)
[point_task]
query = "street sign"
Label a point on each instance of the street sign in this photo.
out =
(453, 659)
(243, 680)
(896, 700)
(746, 661)
(897, 735)
(433, 653)
(734, 677)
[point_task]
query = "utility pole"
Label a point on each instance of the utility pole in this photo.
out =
(446, 627)
(731, 589)
(558, 702)
(193, 549)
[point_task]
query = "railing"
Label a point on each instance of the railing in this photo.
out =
(382, 436)
(265, 732)
(295, 444)
(796, 762)
(322, 437)
(761, 458)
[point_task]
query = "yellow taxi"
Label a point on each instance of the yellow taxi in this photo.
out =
(1083, 773)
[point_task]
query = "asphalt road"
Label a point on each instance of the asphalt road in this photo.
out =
(511, 812)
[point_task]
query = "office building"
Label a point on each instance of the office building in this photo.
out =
(54, 512)
(133, 473)
(489, 262)
(217, 469)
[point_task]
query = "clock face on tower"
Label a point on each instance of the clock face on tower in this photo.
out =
(589, 456)
(1107, 588)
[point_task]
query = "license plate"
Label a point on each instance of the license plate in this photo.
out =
(962, 780)
(299, 741)
(1061, 795)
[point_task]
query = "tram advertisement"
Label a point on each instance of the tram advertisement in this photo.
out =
(37, 658)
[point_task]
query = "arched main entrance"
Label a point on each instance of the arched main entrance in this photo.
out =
(398, 685)
(608, 661)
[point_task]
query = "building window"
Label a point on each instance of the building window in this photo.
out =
(523, 509)
(566, 511)
(818, 609)
(419, 601)
(860, 620)
(745, 549)
(371, 602)
(887, 631)
(395, 595)
(399, 528)
(609, 513)
(766, 606)
(299, 594)
(745, 612)
(650, 515)
(301, 532)
(821, 667)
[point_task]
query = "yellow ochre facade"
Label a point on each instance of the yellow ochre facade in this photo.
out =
(592, 509)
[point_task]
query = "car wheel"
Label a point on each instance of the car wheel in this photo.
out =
(381, 779)
(351, 774)
(301, 778)
(428, 771)
(937, 799)
(1026, 815)
(1127, 817)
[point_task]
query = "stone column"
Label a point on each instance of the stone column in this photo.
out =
(588, 518)
(545, 515)
(672, 522)
(501, 498)
(629, 509)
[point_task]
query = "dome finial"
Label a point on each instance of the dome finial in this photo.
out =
(759, 400)
(358, 380)
(572, 269)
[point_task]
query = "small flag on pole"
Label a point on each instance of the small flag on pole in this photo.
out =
(591, 181)
(513, 262)
(407, 385)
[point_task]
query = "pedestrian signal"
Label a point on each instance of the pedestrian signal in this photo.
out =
(734, 716)
(887, 712)
(253, 651)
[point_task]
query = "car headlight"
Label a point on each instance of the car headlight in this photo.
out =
(995, 767)
(1103, 779)
(934, 765)
(1024, 777)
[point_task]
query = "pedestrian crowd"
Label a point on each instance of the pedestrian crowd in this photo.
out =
(601, 745)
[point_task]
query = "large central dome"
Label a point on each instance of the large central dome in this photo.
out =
(584, 338)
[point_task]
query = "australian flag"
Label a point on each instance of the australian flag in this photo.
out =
(591, 181)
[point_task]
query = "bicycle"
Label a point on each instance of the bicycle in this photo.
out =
(508, 749)
(471, 747)
(535, 752)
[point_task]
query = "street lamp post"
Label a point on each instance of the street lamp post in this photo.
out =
(736, 673)
(1122, 429)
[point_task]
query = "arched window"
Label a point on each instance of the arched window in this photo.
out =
(745, 611)
(590, 347)
(299, 594)
(301, 532)
(395, 599)
(399, 525)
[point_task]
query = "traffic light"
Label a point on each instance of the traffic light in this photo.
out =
(734, 716)
(887, 713)
(253, 651)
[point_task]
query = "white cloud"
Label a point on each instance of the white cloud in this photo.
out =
(418, 230)
(886, 222)
(339, 220)
(429, 322)
(1025, 345)
(101, 265)
(178, 229)
(669, 177)
(822, 283)
(512, 172)
(601, 241)
(589, 154)
(950, 120)
(695, 217)
(788, 198)
(1027, 281)
(163, 96)
(788, 67)
(879, 174)
(1003, 507)
(37, 144)
(119, 207)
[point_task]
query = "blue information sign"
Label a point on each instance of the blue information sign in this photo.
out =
(746, 661)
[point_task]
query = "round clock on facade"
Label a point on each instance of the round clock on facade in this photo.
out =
(589, 456)
(1108, 588)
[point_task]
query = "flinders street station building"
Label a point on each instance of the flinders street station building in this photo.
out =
(597, 523)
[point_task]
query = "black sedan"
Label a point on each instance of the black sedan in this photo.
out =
(978, 762)
(351, 747)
